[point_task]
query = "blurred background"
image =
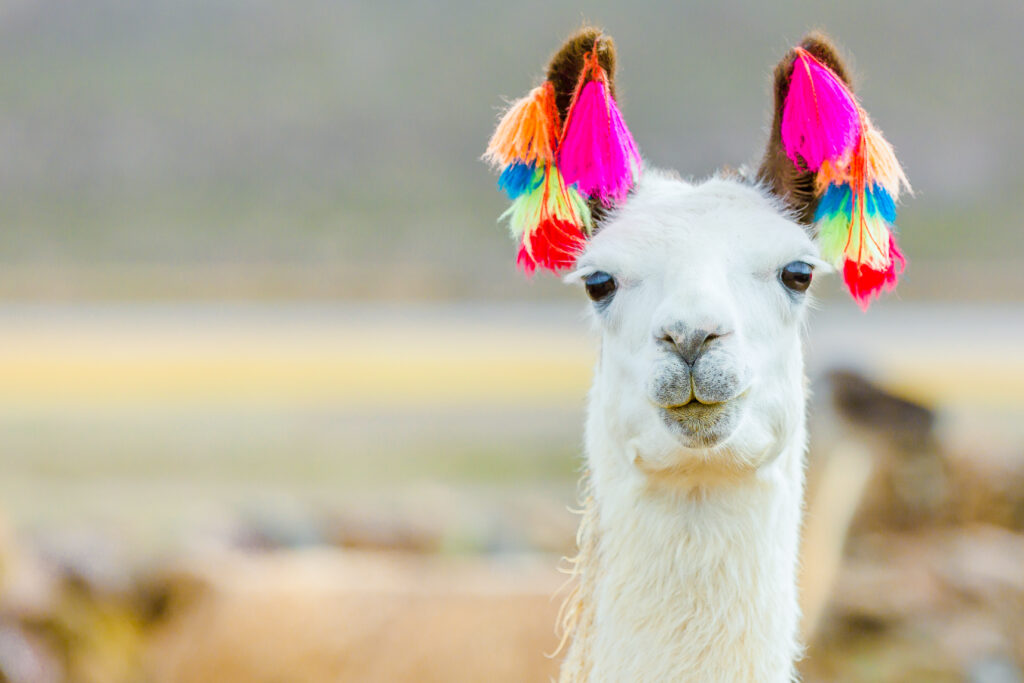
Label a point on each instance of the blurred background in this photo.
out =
(274, 403)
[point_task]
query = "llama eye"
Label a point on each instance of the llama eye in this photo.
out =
(797, 276)
(600, 285)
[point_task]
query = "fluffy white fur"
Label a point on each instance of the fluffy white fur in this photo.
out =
(688, 552)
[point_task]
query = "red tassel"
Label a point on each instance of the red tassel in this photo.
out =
(554, 244)
(865, 283)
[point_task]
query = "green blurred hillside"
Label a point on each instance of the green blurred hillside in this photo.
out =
(249, 147)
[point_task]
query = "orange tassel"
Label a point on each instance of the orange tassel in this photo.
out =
(528, 132)
(833, 173)
(883, 168)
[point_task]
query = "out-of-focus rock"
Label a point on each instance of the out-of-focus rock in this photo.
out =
(910, 485)
(25, 658)
(365, 532)
(956, 593)
(323, 615)
(931, 585)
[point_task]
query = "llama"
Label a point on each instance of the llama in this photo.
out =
(695, 434)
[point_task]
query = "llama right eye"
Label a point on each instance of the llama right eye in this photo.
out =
(600, 286)
(797, 276)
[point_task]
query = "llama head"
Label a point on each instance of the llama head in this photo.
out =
(699, 290)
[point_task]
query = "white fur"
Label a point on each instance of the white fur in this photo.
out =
(693, 573)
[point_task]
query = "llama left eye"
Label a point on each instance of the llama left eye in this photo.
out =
(600, 286)
(797, 276)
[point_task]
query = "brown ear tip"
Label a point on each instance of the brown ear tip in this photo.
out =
(565, 67)
(825, 50)
(581, 42)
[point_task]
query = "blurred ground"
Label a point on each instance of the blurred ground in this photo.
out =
(155, 456)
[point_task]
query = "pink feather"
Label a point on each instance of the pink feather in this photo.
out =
(598, 152)
(820, 120)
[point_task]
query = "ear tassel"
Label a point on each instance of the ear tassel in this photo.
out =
(549, 173)
(858, 177)
(519, 178)
(597, 151)
(552, 221)
(528, 132)
(820, 119)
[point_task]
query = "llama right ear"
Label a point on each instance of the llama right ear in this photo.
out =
(561, 176)
(795, 183)
(833, 168)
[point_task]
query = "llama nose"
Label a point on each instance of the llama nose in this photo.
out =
(690, 342)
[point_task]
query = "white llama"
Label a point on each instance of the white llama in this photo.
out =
(695, 435)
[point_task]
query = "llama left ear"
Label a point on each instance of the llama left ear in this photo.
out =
(565, 154)
(834, 169)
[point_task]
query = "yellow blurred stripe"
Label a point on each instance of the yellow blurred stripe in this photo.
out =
(394, 362)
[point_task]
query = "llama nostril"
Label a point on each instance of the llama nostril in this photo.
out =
(690, 344)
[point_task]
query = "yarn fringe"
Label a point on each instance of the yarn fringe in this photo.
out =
(551, 222)
(597, 152)
(858, 179)
(550, 171)
(528, 132)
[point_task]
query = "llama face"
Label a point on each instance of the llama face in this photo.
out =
(700, 320)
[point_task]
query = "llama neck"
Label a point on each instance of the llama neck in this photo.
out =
(684, 581)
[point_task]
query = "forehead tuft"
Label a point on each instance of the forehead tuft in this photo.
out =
(668, 214)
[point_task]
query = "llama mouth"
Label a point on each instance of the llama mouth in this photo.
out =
(700, 424)
(695, 410)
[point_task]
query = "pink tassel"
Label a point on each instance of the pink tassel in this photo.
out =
(597, 151)
(820, 119)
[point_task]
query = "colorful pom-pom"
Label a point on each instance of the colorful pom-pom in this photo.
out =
(858, 179)
(550, 171)
(597, 152)
(528, 132)
(551, 221)
(820, 119)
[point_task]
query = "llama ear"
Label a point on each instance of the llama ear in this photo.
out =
(565, 154)
(834, 169)
(793, 183)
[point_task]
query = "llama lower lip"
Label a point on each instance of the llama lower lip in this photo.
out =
(695, 410)
(700, 424)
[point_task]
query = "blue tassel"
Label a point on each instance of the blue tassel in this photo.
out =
(519, 178)
(839, 199)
